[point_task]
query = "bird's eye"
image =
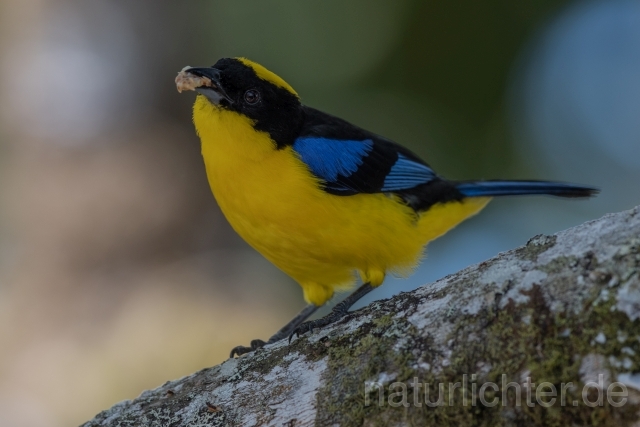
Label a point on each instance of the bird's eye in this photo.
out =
(252, 96)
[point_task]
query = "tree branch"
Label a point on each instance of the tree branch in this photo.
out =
(561, 309)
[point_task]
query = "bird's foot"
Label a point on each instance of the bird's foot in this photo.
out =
(240, 350)
(338, 312)
(284, 332)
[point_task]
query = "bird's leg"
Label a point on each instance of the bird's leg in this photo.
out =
(284, 332)
(338, 312)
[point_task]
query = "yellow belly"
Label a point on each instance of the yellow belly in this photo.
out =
(321, 240)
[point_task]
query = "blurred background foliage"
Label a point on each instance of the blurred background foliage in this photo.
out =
(118, 272)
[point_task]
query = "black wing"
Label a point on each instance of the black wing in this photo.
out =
(351, 160)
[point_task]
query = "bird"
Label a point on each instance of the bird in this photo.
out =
(324, 200)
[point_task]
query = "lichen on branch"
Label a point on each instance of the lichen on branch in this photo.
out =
(561, 309)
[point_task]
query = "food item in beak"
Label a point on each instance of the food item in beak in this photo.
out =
(187, 81)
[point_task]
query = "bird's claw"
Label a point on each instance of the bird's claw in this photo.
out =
(301, 330)
(318, 323)
(240, 350)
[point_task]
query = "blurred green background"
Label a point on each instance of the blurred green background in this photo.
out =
(118, 271)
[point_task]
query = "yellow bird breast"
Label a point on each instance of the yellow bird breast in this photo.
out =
(272, 200)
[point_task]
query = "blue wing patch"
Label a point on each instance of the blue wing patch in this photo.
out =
(405, 174)
(328, 158)
(360, 166)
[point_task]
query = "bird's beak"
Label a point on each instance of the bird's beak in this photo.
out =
(211, 86)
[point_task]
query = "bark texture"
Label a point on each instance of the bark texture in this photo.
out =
(563, 308)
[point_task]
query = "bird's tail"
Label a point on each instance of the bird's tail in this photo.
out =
(515, 188)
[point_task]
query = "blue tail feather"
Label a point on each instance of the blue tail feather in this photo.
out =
(515, 188)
